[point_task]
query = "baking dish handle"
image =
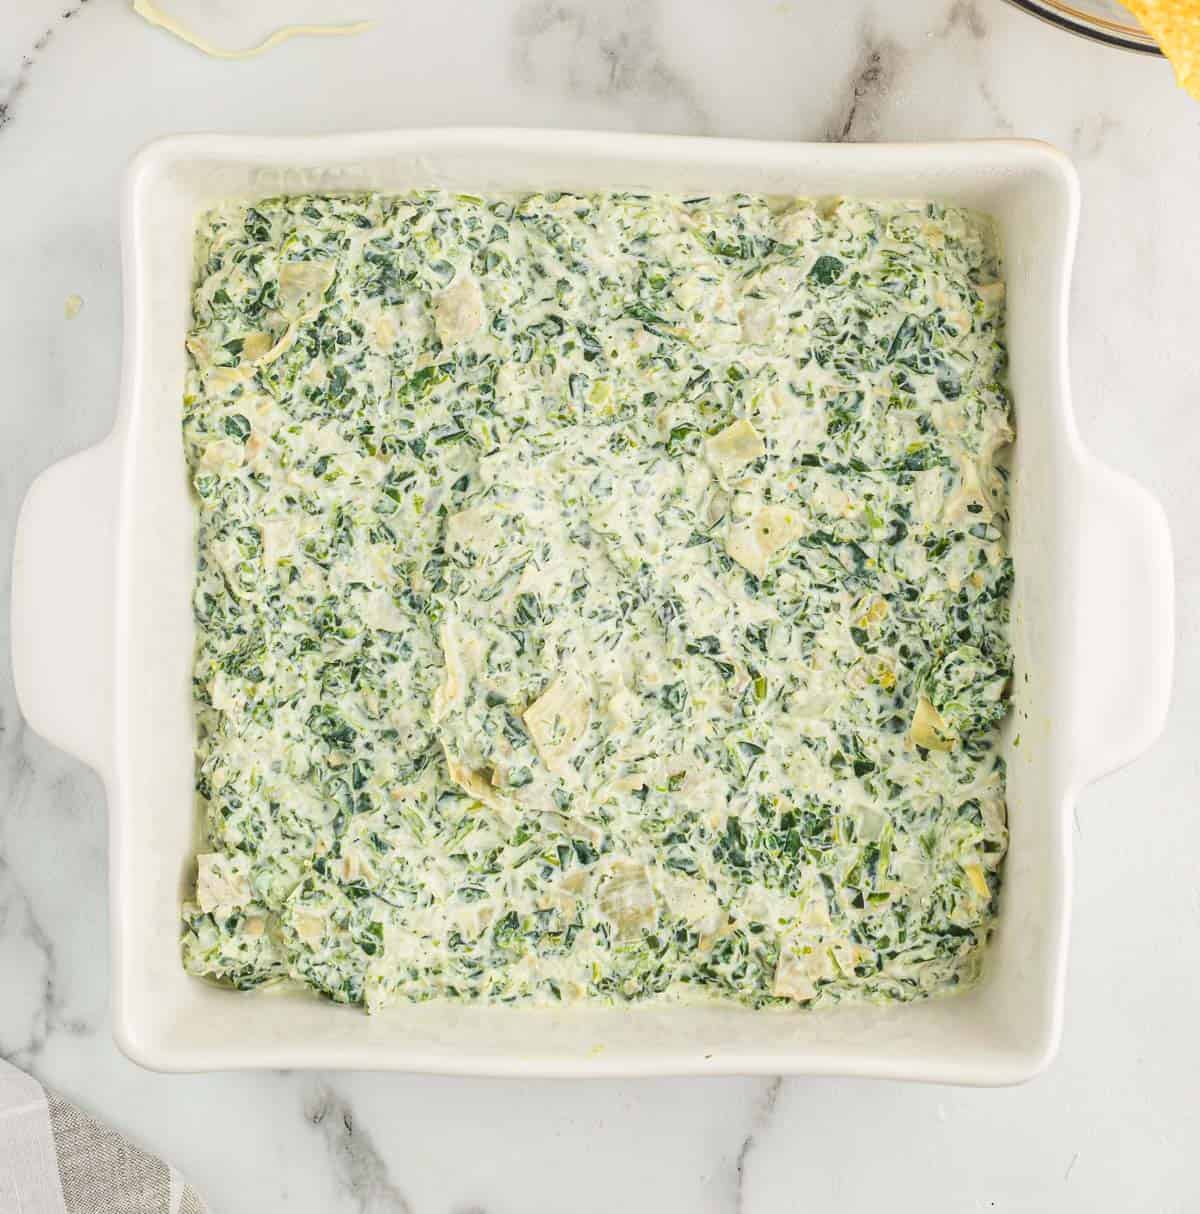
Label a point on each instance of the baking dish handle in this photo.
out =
(62, 603)
(1124, 622)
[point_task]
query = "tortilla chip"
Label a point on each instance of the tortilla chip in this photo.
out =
(1175, 26)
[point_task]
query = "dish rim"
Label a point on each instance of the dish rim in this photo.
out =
(1124, 37)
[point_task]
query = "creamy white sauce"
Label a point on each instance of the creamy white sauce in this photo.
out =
(600, 597)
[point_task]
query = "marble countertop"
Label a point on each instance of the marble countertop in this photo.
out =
(1114, 1123)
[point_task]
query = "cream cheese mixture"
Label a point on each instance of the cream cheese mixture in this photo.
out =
(600, 597)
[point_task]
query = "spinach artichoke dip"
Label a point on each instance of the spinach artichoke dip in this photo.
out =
(600, 597)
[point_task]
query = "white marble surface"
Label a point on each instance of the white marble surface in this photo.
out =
(1113, 1125)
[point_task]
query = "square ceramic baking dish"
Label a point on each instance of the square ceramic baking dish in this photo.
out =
(109, 679)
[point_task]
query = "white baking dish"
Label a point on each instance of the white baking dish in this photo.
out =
(102, 628)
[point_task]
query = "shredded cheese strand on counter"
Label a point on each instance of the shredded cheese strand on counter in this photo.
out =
(149, 11)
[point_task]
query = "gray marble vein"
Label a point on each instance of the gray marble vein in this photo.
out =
(48, 786)
(608, 51)
(356, 1161)
(19, 925)
(11, 88)
(18, 918)
(1003, 124)
(965, 15)
(860, 113)
(764, 1110)
(1090, 136)
(966, 22)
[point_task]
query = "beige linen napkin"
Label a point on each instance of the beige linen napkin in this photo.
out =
(54, 1159)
